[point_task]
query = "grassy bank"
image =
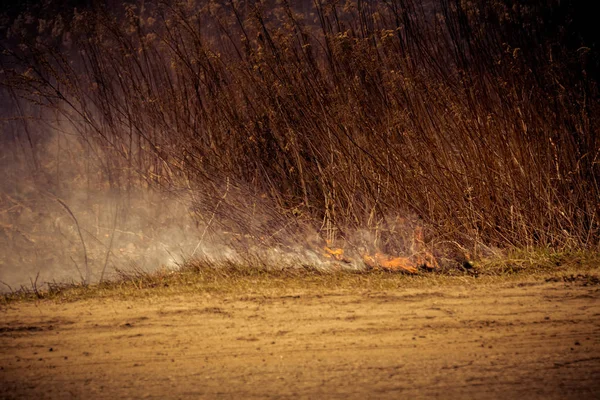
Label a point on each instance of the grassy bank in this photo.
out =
(234, 280)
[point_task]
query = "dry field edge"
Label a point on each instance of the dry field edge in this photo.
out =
(310, 336)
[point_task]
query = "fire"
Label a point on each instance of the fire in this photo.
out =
(389, 263)
(335, 253)
(421, 257)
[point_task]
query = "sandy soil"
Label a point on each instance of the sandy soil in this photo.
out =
(531, 340)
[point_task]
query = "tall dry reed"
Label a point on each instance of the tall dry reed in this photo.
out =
(479, 119)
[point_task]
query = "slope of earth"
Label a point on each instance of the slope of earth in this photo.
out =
(534, 339)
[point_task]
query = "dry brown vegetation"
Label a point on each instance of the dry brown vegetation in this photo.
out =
(294, 124)
(226, 278)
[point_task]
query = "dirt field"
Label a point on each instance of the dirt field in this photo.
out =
(507, 340)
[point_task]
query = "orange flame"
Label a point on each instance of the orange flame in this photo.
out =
(389, 263)
(335, 253)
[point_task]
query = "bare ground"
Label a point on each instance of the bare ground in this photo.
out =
(532, 339)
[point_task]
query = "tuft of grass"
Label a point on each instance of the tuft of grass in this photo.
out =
(538, 261)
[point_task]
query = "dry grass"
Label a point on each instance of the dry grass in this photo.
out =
(358, 121)
(230, 279)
